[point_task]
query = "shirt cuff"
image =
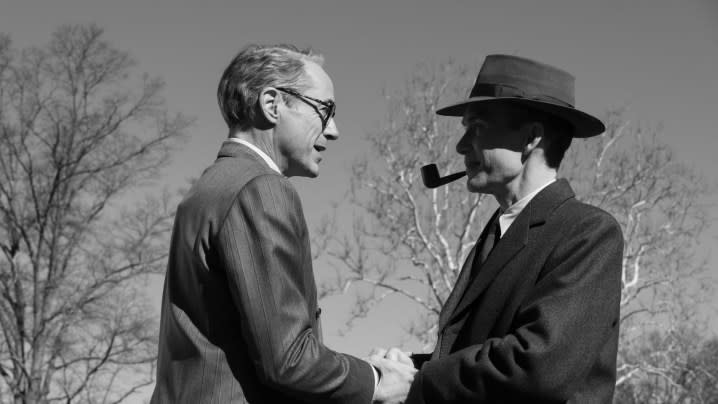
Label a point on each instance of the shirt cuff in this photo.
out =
(377, 377)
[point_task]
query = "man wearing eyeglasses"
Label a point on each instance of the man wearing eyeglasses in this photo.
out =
(240, 320)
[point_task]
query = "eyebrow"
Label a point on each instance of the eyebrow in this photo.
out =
(479, 113)
(466, 122)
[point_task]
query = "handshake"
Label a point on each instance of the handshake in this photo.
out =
(396, 374)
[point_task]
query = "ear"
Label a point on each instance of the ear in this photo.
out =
(534, 137)
(268, 105)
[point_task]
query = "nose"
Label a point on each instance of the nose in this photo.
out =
(331, 132)
(462, 146)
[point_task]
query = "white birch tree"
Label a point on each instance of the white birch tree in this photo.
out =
(411, 241)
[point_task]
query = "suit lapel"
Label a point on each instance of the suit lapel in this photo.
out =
(459, 288)
(508, 246)
(515, 239)
(463, 280)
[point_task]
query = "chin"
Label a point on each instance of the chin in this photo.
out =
(307, 170)
(472, 188)
(474, 185)
(310, 172)
(313, 170)
(305, 174)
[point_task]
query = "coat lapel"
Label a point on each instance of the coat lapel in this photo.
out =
(458, 289)
(463, 280)
(510, 244)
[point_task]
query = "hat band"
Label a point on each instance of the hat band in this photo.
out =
(507, 90)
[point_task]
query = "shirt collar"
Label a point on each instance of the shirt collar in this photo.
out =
(509, 215)
(257, 150)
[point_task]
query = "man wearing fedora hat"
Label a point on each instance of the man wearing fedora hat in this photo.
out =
(533, 316)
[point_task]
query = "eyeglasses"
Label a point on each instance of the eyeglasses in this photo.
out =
(329, 105)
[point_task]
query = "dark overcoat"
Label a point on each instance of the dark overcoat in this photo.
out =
(539, 321)
(240, 322)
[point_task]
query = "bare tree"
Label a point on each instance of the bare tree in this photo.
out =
(412, 241)
(678, 367)
(78, 131)
(406, 239)
(659, 203)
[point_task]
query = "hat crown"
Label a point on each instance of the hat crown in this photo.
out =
(513, 76)
(520, 81)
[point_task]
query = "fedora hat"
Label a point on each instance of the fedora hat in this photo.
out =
(513, 79)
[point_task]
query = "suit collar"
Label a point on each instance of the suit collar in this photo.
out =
(515, 239)
(546, 201)
(231, 149)
(512, 212)
(257, 151)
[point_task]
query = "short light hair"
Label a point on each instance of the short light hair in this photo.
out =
(253, 69)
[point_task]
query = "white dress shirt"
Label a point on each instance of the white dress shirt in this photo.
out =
(507, 217)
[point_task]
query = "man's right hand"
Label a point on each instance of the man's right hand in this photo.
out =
(396, 378)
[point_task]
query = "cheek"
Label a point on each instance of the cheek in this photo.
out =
(477, 150)
(314, 138)
(506, 160)
(305, 137)
(311, 133)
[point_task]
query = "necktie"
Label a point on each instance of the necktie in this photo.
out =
(492, 237)
(467, 274)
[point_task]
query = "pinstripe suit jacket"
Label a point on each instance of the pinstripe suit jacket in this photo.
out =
(240, 321)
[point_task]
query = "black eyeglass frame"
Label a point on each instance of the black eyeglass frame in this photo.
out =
(329, 104)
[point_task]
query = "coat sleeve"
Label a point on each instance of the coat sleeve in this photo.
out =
(263, 248)
(418, 359)
(569, 317)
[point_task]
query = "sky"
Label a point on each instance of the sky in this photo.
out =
(656, 57)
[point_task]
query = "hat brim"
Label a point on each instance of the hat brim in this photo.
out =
(585, 125)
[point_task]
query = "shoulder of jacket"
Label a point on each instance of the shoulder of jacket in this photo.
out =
(583, 215)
